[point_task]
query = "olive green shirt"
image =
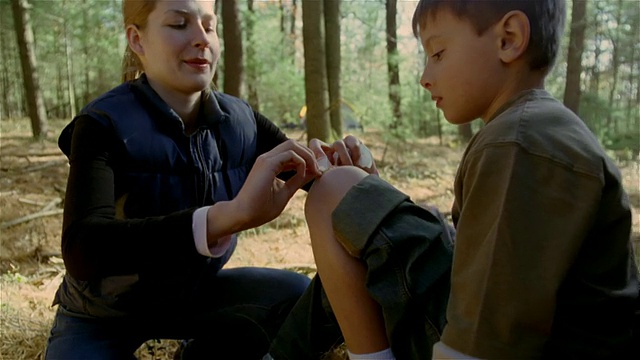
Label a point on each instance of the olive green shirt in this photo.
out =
(543, 239)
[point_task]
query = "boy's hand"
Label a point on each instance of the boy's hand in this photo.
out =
(348, 151)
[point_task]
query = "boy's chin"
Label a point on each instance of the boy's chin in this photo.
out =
(452, 119)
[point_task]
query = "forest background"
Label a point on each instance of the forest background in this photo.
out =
(57, 55)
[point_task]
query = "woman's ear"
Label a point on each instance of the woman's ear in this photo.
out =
(514, 32)
(134, 40)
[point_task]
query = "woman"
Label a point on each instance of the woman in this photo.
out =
(163, 173)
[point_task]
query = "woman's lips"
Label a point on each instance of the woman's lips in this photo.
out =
(200, 64)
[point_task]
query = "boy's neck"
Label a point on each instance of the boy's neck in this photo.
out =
(515, 83)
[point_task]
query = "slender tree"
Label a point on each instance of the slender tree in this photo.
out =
(332, 40)
(572, 90)
(392, 62)
(233, 55)
(5, 65)
(35, 100)
(315, 71)
(616, 44)
(292, 27)
(71, 93)
(283, 16)
(633, 112)
(252, 61)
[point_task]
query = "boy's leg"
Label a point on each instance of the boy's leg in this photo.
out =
(359, 316)
(405, 249)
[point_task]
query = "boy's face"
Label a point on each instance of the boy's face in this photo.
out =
(463, 70)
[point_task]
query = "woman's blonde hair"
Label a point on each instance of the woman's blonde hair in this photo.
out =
(134, 12)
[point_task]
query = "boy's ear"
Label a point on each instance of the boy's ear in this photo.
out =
(133, 38)
(514, 30)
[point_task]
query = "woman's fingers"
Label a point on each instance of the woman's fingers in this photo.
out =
(322, 151)
(348, 151)
(307, 154)
(341, 155)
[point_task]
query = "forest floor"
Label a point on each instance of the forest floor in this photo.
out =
(32, 186)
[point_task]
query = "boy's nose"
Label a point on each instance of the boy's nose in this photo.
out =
(424, 80)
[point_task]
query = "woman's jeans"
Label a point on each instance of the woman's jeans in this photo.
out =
(238, 319)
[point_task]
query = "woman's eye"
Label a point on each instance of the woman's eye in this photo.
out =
(178, 26)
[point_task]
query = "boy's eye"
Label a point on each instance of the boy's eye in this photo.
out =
(437, 55)
(178, 26)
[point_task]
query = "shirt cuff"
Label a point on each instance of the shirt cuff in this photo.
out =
(442, 351)
(199, 229)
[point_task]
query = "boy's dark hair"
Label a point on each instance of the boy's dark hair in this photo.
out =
(546, 18)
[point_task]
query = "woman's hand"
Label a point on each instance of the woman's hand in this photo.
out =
(263, 196)
(348, 151)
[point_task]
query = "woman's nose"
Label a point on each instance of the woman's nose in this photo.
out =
(201, 39)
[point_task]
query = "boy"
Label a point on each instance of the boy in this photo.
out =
(543, 265)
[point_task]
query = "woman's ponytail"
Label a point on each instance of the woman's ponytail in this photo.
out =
(131, 67)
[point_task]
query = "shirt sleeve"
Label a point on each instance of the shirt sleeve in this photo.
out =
(200, 236)
(522, 222)
(97, 243)
(270, 136)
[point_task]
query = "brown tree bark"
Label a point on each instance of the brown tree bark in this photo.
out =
(332, 41)
(252, 61)
(5, 65)
(233, 54)
(292, 26)
(572, 91)
(392, 62)
(35, 100)
(615, 68)
(315, 71)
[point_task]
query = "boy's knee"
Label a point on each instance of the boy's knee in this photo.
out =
(329, 189)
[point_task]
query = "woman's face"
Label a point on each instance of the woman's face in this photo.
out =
(179, 47)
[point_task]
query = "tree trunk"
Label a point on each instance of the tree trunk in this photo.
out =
(252, 61)
(6, 90)
(315, 71)
(294, 10)
(332, 40)
(71, 94)
(572, 90)
(615, 67)
(35, 101)
(86, 97)
(292, 32)
(632, 112)
(233, 57)
(283, 16)
(392, 63)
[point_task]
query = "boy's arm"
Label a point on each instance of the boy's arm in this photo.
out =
(522, 223)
